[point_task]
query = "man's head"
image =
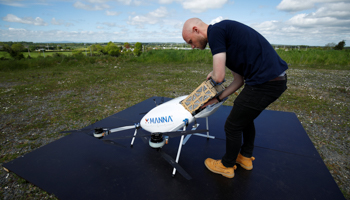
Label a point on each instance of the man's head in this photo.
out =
(194, 32)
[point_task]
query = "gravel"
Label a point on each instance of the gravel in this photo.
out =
(327, 126)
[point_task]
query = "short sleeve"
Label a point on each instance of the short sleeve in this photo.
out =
(216, 39)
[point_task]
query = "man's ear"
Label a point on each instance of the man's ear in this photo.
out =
(195, 29)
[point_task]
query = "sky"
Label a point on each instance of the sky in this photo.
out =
(285, 22)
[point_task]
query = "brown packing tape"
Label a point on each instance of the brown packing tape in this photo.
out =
(202, 94)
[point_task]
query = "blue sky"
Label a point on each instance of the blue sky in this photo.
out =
(290, 22)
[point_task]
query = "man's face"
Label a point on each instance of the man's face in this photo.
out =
(196, 40)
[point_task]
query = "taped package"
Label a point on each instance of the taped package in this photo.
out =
(201, 95)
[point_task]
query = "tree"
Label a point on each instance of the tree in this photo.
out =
(127, 45)
(15, 50)
(340, 45)
(112, 49)
(138, 49)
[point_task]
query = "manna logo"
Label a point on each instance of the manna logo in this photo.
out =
(159, 120)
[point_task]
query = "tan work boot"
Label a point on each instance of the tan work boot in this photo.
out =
(246, 163)
(217, 167)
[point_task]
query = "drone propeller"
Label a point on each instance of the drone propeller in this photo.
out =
(113, 143)
(164, 155)
(172, 162)
(170, 134)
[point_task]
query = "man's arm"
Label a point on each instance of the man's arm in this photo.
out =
(219, 63)
(237, 82)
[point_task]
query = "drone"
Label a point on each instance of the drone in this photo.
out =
(166, 120)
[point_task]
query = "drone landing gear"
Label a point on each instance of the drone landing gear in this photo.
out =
(183, 139)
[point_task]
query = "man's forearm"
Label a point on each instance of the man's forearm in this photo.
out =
(234, 86)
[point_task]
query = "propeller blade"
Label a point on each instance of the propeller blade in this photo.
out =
(172, 162)
(170, 134)
(145, 140)
(87, 129)
(78, 130)
(122, 128)
(180, 133)
(113, 143)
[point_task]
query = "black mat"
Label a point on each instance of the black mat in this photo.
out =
(78, 166)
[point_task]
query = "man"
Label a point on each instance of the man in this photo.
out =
(253, 61)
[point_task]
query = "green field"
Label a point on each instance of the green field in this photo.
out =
(41, 97)
(36, 54)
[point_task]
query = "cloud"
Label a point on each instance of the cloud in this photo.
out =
(26, 20)
(109, 24)
(13, 34)
(83, 6)
(56, 22)
(216, 20)
(150, 18)
(112, 13)
(295, 5)
(199, 6)
(15, 3)
(165, 1)
(329, 23)
(68, 24)
(300, 5)
(328, 15)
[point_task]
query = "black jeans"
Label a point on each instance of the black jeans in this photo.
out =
(248, 106)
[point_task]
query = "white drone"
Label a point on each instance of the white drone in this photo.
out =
(169, 119)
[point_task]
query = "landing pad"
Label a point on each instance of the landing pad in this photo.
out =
(78, 166)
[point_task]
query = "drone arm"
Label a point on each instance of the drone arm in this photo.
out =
(124, 128)
(183, 124)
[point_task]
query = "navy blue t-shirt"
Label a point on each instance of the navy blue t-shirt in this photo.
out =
(248, 53)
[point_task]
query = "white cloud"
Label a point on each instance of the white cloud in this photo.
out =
(59, 35)
(198, 6)
(150, 18)
(97, 1)
(15, 3)
(56, 22)
(329, 23)
(112, 13)
(83, 6)
(100, 27)
(328, 15)
(68, 24)
(295, 5)
(300, 5)
(165, 1)
(216, 20)
(159, 13)
(17, 29)
(109, 24)
(26, 20)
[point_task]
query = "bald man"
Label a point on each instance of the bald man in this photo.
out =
(253, 63)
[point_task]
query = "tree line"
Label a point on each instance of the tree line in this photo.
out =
(16, 49)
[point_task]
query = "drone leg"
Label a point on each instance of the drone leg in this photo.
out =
(207, 122)
(179, 151)
(133, 138)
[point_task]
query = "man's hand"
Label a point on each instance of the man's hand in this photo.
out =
(211, 101)
(209, 75)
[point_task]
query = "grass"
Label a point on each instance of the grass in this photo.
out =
(317, 59)
(41, 97)
(36, 54)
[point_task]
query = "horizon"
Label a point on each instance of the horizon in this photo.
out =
(74, 42)
(287, 22)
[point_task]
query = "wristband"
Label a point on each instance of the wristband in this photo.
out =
(217, 97)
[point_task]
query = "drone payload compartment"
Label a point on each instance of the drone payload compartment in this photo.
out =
(201, 95)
